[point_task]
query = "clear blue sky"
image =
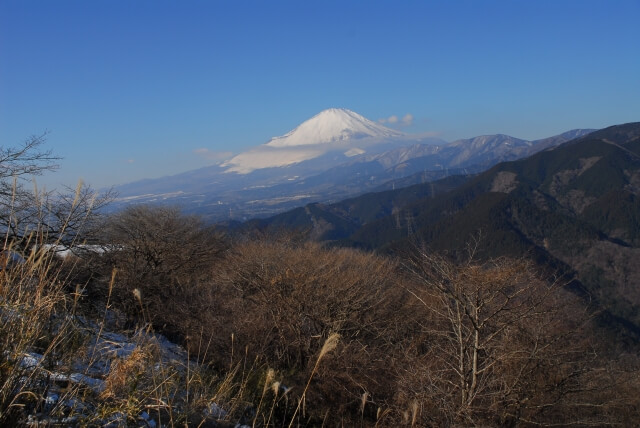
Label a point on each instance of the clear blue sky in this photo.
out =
(133, 89)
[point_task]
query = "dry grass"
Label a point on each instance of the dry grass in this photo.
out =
(329, 345)
(36, 333)
(48, 355)
(41, 340)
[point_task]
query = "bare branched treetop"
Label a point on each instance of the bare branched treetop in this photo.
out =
(62, 217)
(27, 159)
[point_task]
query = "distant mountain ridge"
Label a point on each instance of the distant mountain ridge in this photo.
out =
(334, 155)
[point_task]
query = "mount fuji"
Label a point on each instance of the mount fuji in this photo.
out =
(332, 130)
(334, 155)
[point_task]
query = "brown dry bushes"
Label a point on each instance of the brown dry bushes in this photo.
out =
(428, 343)
(282, 301)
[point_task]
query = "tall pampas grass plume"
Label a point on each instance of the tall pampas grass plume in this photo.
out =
(329, 345)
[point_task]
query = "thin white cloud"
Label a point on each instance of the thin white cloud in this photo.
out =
(407, 120)
(129, 160)
(212, 155)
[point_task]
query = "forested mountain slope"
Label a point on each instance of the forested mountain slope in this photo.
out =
(575, 207)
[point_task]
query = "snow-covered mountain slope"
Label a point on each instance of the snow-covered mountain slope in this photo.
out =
(335, 129)
(332, 125)
(484, 147)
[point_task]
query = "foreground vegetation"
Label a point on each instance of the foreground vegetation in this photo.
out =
(284, 332)
(279, 331)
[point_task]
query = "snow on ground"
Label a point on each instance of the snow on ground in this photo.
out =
(93, 365)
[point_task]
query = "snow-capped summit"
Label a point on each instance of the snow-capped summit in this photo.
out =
(333, 125)
(335, 129)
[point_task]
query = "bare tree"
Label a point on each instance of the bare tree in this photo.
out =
(74, 216)
(159, 251)
(31, 216)
(160, 239)
(28, 159)
(499, 344)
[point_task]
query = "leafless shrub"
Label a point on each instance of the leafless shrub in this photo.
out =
(163, 254)
(284, 300)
